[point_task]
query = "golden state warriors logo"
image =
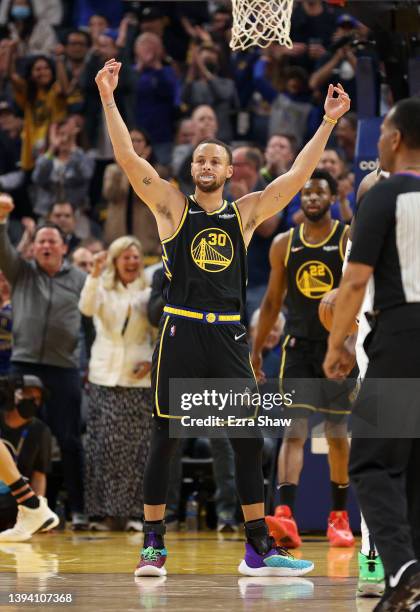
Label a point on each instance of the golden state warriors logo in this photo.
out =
(212, 250)
(314, 279)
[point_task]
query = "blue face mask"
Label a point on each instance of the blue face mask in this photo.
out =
(21, 12)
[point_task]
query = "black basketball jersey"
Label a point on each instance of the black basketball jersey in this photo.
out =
(205, 260)
(312, 270)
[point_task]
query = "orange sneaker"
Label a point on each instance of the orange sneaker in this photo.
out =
(282, 527)
(339, 532)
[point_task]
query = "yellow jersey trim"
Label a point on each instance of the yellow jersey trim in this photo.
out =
(289, 246)
(346, 231)
(181, 223)
(213, 212)
(318, 244)
(165, 262)
(241, 227)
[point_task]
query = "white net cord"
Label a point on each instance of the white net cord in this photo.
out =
(260, 22)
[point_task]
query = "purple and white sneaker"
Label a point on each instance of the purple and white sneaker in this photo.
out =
(152, 561)
(277, 562)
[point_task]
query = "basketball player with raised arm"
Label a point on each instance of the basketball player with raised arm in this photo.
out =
(306, 263)
(204, 241)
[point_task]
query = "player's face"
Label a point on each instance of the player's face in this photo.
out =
(316, 199)
(210, 167)
(387, 143)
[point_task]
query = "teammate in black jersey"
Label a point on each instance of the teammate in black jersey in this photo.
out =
(204, 243)
(306, 263)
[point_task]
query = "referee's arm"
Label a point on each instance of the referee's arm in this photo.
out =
(371, 227)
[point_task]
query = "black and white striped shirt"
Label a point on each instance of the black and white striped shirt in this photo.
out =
(387, 237)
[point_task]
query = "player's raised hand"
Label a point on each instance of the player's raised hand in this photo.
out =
(6, 206)
(335, 107)
(107, 78)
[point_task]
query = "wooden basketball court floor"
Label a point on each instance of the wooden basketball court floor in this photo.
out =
(97, 570)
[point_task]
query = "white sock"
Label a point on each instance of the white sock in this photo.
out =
(366, 544)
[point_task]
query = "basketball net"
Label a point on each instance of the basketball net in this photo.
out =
(260, 22)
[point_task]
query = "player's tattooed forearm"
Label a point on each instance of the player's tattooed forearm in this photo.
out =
(147, 180)
(110, 104)
(278, 197)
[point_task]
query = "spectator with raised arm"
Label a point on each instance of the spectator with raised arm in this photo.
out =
(63, 172)
(157, 92)
(95, 130)
(41, 99)
(45, 296)
(120, 401)
(31, 32)
(70, 60)
(204, 85)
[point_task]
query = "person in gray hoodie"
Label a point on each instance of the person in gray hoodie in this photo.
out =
(46, 329)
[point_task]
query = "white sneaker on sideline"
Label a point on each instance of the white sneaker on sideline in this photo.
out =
(29, 521)
(134, 525)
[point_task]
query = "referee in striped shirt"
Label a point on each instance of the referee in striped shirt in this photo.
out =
(386, 244)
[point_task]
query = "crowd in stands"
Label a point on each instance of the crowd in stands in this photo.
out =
(179, 83)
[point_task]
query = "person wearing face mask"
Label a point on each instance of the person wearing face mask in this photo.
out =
(28, 440)
(32, 35)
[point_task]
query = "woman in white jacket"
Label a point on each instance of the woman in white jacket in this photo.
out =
(120, 401)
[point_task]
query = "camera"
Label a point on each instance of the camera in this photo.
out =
(352, 41)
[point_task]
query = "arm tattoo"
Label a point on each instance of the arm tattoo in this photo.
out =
(110, 104)
(147, 180)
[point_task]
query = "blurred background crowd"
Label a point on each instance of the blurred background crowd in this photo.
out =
(179, 83)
